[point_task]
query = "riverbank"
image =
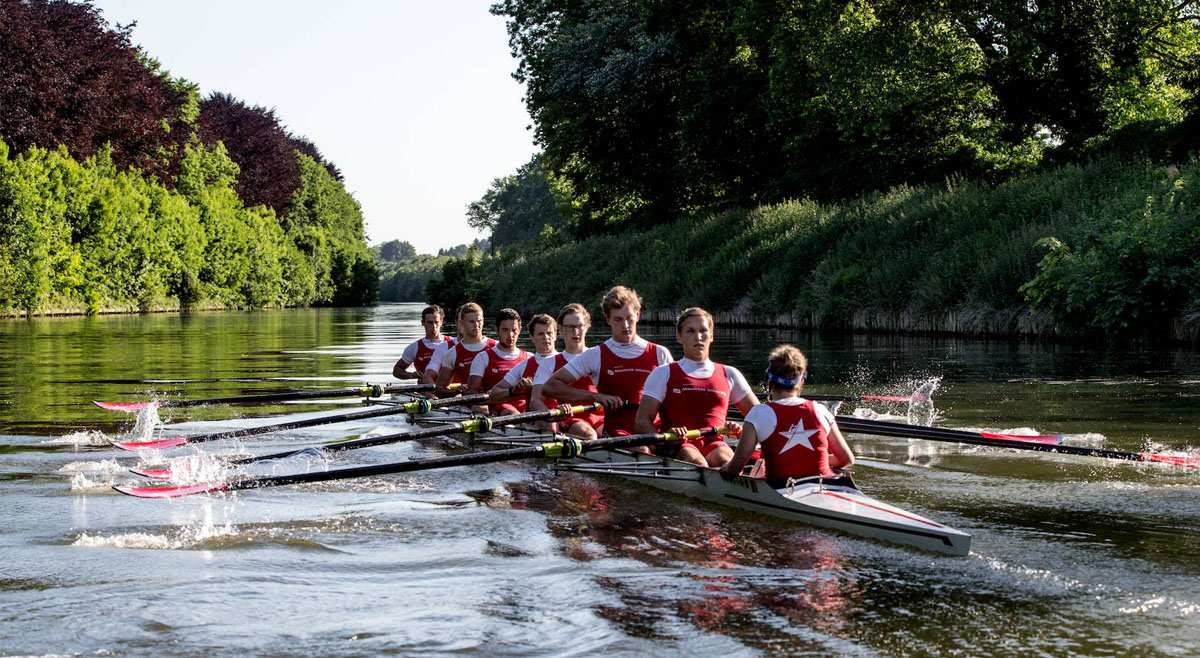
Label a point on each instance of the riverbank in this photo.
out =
(1108, 250)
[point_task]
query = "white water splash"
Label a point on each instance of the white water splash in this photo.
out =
(182, 537)
(102, 466)
(920, 409)
(84, 438)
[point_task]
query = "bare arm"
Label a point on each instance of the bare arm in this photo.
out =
(840, 455)
(647, 411)
(746, 445)
(442, 390)
(401, 371)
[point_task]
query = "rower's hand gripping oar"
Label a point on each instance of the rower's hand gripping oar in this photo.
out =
(415, 407)
(1015, 442)
(475, 425)
(565, 448)
(373, 391)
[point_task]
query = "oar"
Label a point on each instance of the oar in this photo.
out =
(1000, 441)
(847, 398)
(365, 391)
(470, 426)
(419, 406)
(953, 434)
(565, 448)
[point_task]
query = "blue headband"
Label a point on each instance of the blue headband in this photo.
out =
(784, 381)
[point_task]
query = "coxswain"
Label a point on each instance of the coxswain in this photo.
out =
(419, 352)
(618, 366)
(694, 393)
(799, 438)
(573, 322)
(455, 366)
(512, 394)
(490, 366)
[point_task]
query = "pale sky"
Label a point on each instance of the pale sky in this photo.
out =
(412, 99)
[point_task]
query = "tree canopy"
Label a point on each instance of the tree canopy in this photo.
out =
(648, 109)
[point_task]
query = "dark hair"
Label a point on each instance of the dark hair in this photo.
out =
(693, 312)
(433, 309)
(507, 314)
(542, 318)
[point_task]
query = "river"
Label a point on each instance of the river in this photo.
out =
(1071, 556)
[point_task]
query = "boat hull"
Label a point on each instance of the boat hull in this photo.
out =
(835, 504)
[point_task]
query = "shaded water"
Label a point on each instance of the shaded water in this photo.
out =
(1071, 556)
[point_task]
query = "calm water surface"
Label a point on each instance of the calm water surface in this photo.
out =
(1071, 556)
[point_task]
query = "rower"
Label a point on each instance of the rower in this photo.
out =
(694, 393)
(618, 366)
(574, 320)
(420, 351)
(490, 366)
(513, 394)
(455, 365)
(800, 438)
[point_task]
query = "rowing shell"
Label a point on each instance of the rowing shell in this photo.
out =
(834, 503)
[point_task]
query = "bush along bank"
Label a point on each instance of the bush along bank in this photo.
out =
(1105, 250)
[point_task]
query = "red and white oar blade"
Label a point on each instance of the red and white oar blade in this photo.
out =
(150, 445)
(127, 407)
(1048, 439)
(172, 492)
(152, 473)
(889, 398)
(1170, 459)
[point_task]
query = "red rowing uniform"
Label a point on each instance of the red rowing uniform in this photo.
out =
(624, 378)
(424, 353)
(593, 418)
(496, 367)
(463, 358)
(799, 445)
(696, 403)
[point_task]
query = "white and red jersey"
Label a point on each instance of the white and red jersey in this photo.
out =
(420, 351)
(493, 364)
(593, 418)
(620, 369)
(527, 368)
(695, 394)
(794, 435)
(462, 355)
(435, 361)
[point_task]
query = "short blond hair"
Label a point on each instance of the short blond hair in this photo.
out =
(693, 312)
(787, 362)
(575, 307)
(469, 307)
(619, 296)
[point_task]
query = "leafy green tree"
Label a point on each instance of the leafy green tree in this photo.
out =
(397, 251)
(517, 209)
(648, 110)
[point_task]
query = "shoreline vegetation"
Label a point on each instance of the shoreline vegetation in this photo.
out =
(1108, 250)
(121, 188)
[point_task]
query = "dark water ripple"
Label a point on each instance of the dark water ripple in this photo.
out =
(1071, 557)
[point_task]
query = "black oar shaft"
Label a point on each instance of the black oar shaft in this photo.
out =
(901, 430)
(543, 450)
(327, 420)
(479, 424)
(365, 391)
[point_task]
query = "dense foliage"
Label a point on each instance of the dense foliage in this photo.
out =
(120, 188)
(1124, 257)
(521, 209)
(67, 79)
(648, 109)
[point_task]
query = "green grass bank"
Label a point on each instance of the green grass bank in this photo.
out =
(1107, 250)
